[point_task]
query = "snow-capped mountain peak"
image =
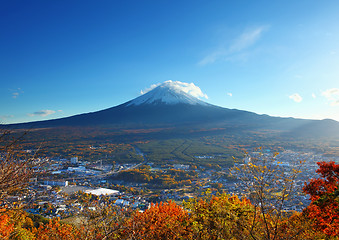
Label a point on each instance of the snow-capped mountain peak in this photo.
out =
(171, 92)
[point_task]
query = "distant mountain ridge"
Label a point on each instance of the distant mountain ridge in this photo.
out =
(168, 105)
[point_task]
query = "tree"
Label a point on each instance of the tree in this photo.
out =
(269, 187)
(14, 170)
(6, 227)
(16, 225)
(324, 194)
(55, 230)
(165, 220)
(220, 217)
(103, 220)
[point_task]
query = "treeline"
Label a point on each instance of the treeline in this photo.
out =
(91, 144)
(171, 178)
(212, 217)
(199, 151)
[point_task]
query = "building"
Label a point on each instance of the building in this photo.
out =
(74, 160)
(56, 183)
(181, 166)
(102, 191)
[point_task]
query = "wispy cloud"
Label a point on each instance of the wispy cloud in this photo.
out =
(245, 40)
(229, 94)
(214, 56)
(332, 95)
(41, 113)
(296, 97)
(16, 92)
(4, 117)
(313, 95)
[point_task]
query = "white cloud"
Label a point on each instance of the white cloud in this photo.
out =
(189, 88)
(42, 113)
(214, 56)
(16, 92)
(150, 88)
(247, 38)
(296, 97)
(241, 43)
(4, 117)
(229, 94)
(332, 95)
(313, 95)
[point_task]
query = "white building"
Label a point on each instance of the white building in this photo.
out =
(102, 191)
(181, 166)
(56, 183)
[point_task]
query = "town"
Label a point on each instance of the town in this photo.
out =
(60, 184)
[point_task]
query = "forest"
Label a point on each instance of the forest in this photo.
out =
(162, 145)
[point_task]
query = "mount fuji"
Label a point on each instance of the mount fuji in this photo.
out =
(166, 104)
(176, 104)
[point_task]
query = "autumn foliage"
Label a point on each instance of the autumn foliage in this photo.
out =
(162, 221)
(55, 230)
(220, 217)
(324, 192)
(212, 216)
(6, 228)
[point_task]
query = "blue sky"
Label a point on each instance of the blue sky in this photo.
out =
(60, 58)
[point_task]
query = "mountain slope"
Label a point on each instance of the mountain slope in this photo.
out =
(165, 104)
(168, 105)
